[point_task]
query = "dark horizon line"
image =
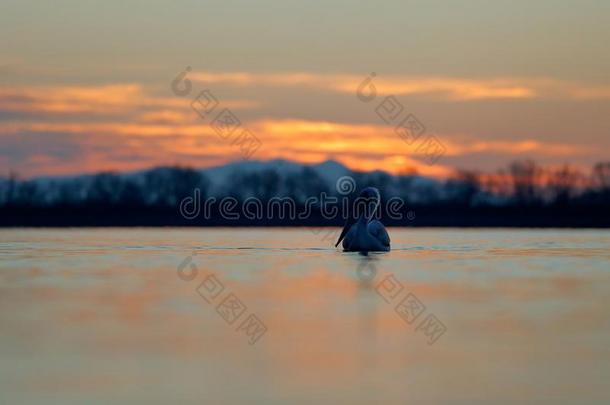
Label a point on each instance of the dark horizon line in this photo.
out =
(425, 216)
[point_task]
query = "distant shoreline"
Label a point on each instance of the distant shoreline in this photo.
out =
(435, 216)
(283, 193)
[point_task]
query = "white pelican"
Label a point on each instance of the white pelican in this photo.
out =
(366, 234)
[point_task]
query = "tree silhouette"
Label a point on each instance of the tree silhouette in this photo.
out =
(525, 177)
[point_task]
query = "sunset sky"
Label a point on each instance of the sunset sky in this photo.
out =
(85, 86)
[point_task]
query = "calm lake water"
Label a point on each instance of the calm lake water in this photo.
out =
(494, 316)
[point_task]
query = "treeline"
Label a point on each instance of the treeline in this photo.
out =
(159, 187)
(523, 194)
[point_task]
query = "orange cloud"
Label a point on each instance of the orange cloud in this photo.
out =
(71, 99)
(456, 89)
(520, 147)
(360, 147)
(123, 127)
(106, 99)
(443, 88)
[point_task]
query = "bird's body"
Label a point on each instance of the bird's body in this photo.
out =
(366, 234)
(371, 237)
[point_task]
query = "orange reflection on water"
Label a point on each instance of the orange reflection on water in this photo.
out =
(102, 314)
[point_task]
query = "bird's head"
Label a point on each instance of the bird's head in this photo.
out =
(367, 202)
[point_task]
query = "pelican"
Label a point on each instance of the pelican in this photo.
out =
(366, 234)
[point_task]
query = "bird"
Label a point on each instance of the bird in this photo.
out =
(365, 234)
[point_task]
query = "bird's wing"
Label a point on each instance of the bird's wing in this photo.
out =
(377, 229)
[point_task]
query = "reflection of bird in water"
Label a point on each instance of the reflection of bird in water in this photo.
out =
(366, 234)
(366, 270)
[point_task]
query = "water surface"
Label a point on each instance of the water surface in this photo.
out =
(102, 315)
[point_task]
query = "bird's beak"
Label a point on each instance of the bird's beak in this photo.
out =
(348, 224)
